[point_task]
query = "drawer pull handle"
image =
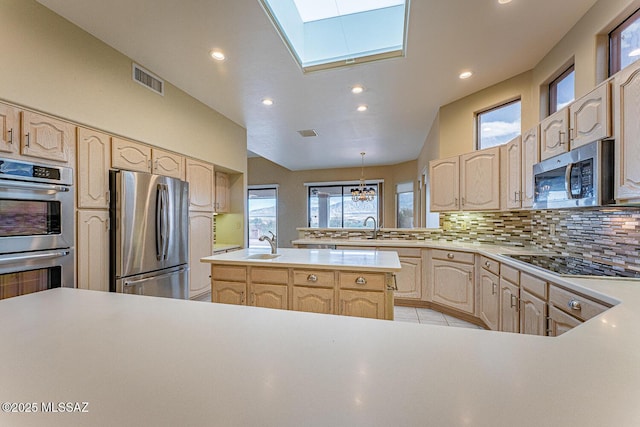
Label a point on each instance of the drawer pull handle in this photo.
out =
(361, 281)
(487, 264)
(28, 139)
(574, 305)
(494, 288)
(514, 302)
(312, 278)
(450, 255)
(10, 132)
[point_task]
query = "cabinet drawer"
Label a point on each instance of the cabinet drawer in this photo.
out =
(510, 274)
(269, 275)
(365, 281)
(534, 285)
(578, 306)
(406, 252)
(322, 278)
(465, 257)
(229, 272)
(490, 265)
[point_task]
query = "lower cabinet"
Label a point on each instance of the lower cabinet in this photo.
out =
(509, 307)
(533, 314)
(490, 299)
(409, 279)
(452, 282)
(93, 250)
(229, 292)
(559, 322)
(362, 304)
(314, 300)
(269, 296)
(200, 245)
(569, 309)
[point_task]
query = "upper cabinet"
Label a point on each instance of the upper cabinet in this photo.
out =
(94, 161)
(167, 164)
(626, 99)
(530, 156)
(480, 180)
(590, 116)
(444, 181)
(554, 134)
(47, 138)
(223, 200)
(130, 155)
(511, 169)
(200, 177)
(9, 129)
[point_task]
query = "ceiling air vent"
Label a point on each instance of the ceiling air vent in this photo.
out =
(148, 80)
(307, 133)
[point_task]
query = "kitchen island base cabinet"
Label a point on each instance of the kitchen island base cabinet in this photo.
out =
(313, 300)
(229, 292)
(362, 304)
(269, 296)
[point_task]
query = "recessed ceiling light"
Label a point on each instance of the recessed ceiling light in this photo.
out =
(267, 101)
(466, 75)
(362, 108)
(217, 55)
(504, 1)
(357, 89)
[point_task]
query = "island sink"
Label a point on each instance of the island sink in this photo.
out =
(263, 256)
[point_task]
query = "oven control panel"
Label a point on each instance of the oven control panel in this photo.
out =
(26, 171)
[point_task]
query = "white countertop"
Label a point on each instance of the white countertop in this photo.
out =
(364, 260)
(142, 361)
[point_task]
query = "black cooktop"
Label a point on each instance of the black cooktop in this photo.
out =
(572, 266)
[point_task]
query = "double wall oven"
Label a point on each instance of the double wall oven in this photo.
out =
(36, 227)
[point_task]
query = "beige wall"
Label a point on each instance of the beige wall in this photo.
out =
(53, 66)
(292, 194)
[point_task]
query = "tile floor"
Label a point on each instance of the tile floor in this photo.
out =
(429, 317)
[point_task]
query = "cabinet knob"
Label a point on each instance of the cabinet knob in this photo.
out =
(312, 278)
(487, 264)
(450, 255)
(361, 281)
(574, 305)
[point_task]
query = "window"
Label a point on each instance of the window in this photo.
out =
(498, 125)
(562, 90)
(262, 206)
(330, 206)
(624, 43)
(404, 205)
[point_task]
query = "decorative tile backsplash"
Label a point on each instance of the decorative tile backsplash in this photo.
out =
(610, 235)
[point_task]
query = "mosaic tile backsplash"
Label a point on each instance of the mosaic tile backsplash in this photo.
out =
(608, 235)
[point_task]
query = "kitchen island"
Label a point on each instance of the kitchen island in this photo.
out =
(345, 282)
(140, 360)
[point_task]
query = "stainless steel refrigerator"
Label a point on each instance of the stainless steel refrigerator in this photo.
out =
(149, 235)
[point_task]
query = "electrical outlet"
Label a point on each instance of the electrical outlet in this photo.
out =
(552, 229)
(463, 225)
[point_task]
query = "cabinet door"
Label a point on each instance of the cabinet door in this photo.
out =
(130, 155)
(530, 156)
(509, 307)
(222, 192)
(559, 322)
(533, 314)
(362, 304)
(444, 176)
(167, 164)
(228, 292)
(626, 94)
(47, 138)
(269, 296)
(315, 300)
(489, 299)
(94, 161)
(409, 279)
(93, 249)
(511, 170)
(554, 134)
(590, 116)
(453, 285)
(480, 180)
(201, 191)
(200, 245)
(9, 131)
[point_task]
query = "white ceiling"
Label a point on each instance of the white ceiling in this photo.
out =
(173, 39)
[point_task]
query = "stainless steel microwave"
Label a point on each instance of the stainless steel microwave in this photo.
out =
(581, 177)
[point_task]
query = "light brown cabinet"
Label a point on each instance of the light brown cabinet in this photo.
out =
(222, 203)
(409, 279)
(533, 314)
(509, 299)
(530, 156)
(489, 293)
(130, 155)
(94, 161)
(47, 138)
(511, 170)
(626, 98)
(590, 116)
(200, 177)
(9, 129)
(554, 134)
(480, 180)
(444, 181)
(314, 300)
(167, 164)
(229, 292)
(269, 296)
(559, 322)
(362, 304)
(93, 239)
(200, 245)
(452, 280)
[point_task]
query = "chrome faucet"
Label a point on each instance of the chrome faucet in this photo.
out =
(272, 241)
(375, 226)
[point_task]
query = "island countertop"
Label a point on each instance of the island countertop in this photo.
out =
(361, 260)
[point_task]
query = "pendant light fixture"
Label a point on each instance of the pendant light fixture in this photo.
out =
(362, 193)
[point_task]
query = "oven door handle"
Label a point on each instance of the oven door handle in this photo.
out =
(8, 259)
(33, 186)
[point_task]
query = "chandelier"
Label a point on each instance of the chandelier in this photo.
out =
(362, 193)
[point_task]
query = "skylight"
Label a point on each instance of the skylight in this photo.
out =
(331, 33)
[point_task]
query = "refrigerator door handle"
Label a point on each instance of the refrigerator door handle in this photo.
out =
(166, 211)
(159, 223)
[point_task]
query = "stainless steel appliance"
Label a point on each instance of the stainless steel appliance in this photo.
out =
(581, 177)
(149, 243)
(36, 227)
